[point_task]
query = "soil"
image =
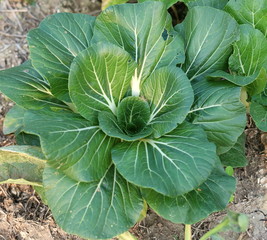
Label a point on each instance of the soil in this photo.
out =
(22, 214)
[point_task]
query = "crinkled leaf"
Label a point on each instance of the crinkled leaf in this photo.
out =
(71, 143)
(209, 34)
(27, 88)
(250, 58)
(218, 109)
(258, 110)
(99, 78)
(21, 165)
(170, 96)
(251, 12)
(147, 35)
(211, 196)
(109, 125)
(236, 157)
(172, 165)
(54, 44)
(14, 120)
(99, 209)
(220, 4)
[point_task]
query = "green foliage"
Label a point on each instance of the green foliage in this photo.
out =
(128, 109)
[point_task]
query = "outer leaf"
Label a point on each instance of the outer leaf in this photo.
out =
(54, 44)
(170, 96)
(108, 3)
(209, 34)
(218, 109)
(71, 143)
(235, 79)
(258, 110)
(14, 120)
(99, 79)
(172, 165)
(251, 12)
(213, 195)
(27, 88)
(21, 165)
(235, 157)
(109, 125)
(249, 57)
(145, 34)
(99, 209)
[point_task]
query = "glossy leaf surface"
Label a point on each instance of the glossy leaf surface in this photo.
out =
(218, 109)
(172, 165)
(54, 44)
(98, 209)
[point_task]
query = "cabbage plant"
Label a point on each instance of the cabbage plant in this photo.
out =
(120, 111)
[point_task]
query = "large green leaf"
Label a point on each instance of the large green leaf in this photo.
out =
(213, 195)
(99, 78)
(172, 165)
(209, 34)
(170, 97)
(258, 110)
(108, 3)
(236, 157)
(145, 31)
(100, 209)
(253, 12)
(14, 120)
(26, 87)
(21, 165)
(250, 58)
(71, 143)
(218, 109)
(54, 44)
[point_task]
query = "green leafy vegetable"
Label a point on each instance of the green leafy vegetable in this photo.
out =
(121, 108)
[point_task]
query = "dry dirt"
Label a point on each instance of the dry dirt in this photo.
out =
(22, 214)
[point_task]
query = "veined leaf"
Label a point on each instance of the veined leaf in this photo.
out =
(236, 157)
(172, 165)
(218, 109)
(100, 209)
(209, 34)
(258, 110)
(170, 97)
(21, 165)
(14, 120)
(71, 143)
(250, 58)
(99, 79)
(54, 44)
(144, 30)
(211, 196)
(131, 121)
(251, 12)
(27, 88)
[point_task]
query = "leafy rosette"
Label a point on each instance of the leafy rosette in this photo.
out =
(120, 107)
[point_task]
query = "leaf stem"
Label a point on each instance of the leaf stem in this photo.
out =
(187, 232)
(126, 236)
(216, 229)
